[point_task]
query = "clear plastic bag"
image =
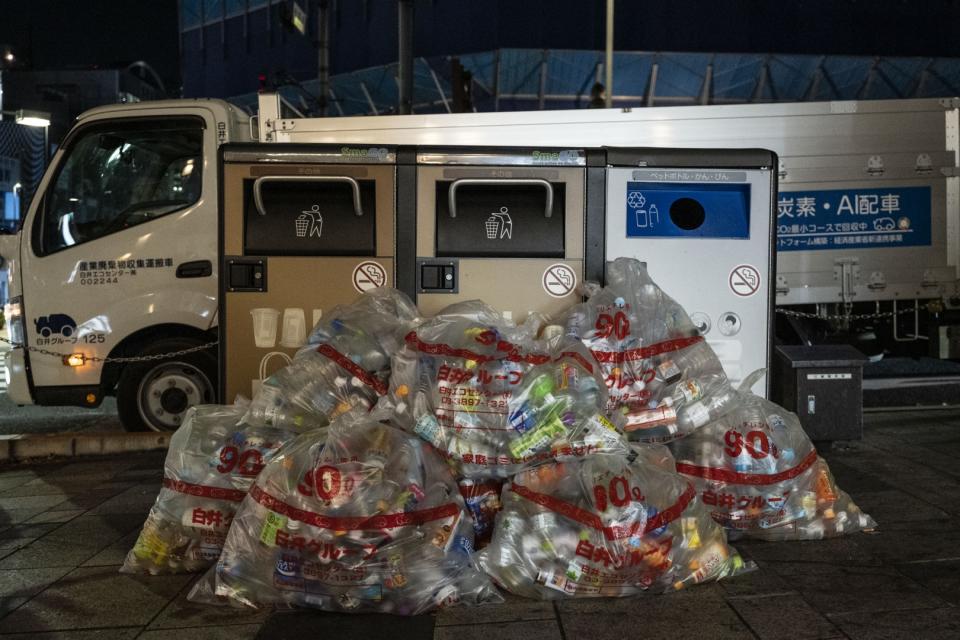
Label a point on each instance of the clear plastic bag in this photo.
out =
(759, 474)
(493, 400)
(363, 518)
(662, 376)
(370, 309)
(345, 365)
(607, 525)
(212, 461)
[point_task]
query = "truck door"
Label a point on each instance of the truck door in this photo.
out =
(121, 249)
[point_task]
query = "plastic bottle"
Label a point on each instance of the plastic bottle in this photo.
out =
(539, 438)
(576, 323)
(539, 393)
(704, 411)
(683, 393)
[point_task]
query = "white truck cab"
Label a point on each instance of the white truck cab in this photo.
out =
(117, 258)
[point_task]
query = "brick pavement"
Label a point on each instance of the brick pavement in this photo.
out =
(66, 526)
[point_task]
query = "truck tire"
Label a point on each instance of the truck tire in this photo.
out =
(155, 395)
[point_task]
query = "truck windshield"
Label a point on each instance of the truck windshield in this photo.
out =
(117, 177)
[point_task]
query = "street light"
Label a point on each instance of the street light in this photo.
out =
(31, 118)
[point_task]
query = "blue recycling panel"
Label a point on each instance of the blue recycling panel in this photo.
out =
(853, 218)
(667, 210)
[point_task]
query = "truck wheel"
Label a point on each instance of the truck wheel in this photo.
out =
(155, 395)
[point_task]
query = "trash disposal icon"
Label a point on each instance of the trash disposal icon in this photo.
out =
(309, 223)
(499, 225)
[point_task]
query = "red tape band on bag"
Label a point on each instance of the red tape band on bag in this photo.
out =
(361, 523)
(511, 352)
(642, 353)
(578, 358)
(593, 521)
(735, 477)
(203, 491)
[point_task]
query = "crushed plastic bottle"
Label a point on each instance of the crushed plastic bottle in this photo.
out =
(606, 525)
(492, 400)
(482, 498)
(344, 366)
(361, 517)
(212, 460)
(662, 377)
(759, 474)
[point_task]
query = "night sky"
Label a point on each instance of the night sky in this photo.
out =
(58, 34)
(83, 33)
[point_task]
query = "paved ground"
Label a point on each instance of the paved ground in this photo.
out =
(14, 419)
(65, 528)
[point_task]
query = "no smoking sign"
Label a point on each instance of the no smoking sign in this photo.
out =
(744, 280)
(559, 280)
(369, 275)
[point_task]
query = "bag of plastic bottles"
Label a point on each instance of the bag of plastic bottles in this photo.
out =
(759, 474)
(345, 365)
(364, 518)
(493, 401)
(212, 460)
(661, 374)
(374, 307)
(607, 525)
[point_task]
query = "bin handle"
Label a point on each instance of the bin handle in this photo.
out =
(467, 182)
(258, 186)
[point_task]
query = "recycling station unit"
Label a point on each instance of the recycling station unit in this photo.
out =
(703, 220)
(303, 229)
(307, 227)
(505, 226)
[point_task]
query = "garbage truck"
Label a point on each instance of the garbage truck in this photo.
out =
(113, 275)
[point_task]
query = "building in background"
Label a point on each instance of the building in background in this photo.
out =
(548, 53)
(21, 168)
(65, 57)
(66, 93)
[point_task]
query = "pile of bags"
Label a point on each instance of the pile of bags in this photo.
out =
(345, 364)
(492, 400)
(404, 464)
(760, 475)
(212, 462)
(360, 517)
(605, 525)
(662, 376)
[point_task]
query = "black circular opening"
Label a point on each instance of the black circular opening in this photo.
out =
(174, 400)
(687, 213)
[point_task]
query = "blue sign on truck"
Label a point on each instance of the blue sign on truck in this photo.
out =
(853, 218)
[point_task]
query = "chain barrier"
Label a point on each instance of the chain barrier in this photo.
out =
(127, 359)
(210, 345)
(862, 316)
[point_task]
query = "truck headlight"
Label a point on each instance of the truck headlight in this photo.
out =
(13, 313)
